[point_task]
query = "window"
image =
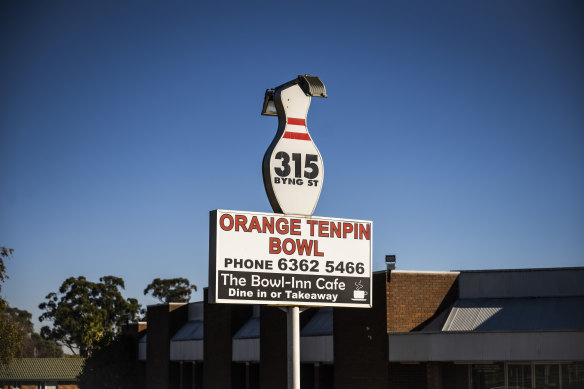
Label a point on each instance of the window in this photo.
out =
(518, 376)
(534, 375)
(491, 376)
(547, 376)
(573, 376)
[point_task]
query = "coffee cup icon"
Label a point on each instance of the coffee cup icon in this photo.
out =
(358, 293)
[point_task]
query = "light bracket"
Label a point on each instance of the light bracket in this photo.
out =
(310, 85)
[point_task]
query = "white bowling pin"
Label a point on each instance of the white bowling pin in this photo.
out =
(293, 170)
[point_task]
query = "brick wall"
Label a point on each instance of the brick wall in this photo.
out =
(454, 376)
(407, 376)
(360, 342)
(273, 369)
(221, 322)
(433, 375)
(135, 331)
(164, 321)
(415, 297)
(430, 375)
(273, 348)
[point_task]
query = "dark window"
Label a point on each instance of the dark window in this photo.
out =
(491, 376)
(519, 376)
(573, 376)
(547, 376)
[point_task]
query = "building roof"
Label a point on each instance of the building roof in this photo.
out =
(42, 369)
(521, 283)
(321, 323)
(192, 330)
(196, 311)
(250, 330)
(523, 270)
(520, 314)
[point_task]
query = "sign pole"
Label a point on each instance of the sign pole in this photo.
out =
(290, 258)
(293, 319)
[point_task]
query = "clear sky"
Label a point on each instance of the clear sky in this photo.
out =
(457, 127)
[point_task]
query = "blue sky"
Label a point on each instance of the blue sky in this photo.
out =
(457, 127)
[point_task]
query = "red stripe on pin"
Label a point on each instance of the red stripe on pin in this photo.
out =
(296, 135)
(296, 121)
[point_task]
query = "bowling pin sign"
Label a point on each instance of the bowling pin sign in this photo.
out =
(292, 168)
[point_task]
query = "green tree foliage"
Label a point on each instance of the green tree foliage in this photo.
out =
(33, 345)
(21, 318)
(10, 341)
(86, 315)
(172, 290)
(112, 366)
(10, 335)
(4, 253)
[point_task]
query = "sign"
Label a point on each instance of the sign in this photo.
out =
(264, 258)
(292, 168)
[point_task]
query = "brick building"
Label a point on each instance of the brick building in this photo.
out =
(426, 330)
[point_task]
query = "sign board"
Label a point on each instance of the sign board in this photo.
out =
(264, 258)
(292, 168)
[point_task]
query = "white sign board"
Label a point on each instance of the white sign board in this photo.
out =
(264, 258)
(292, 169)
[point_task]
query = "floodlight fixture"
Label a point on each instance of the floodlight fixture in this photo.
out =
(269, 108)
(390, 262)
(312, 85)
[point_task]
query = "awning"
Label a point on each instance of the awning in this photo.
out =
(316, 338)
(246, 341)
(142, 348)
(498, 329)
(486, 346)
(187, 343)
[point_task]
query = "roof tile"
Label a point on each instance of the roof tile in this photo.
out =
(33, 369)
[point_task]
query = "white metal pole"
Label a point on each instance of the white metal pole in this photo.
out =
(293, 316)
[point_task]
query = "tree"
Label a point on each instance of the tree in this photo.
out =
(33, 345)
(4, 253)
(10, 341)
(21, 318)
(172, 290)
(85, 314)
(17, 336)
(10, 335)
